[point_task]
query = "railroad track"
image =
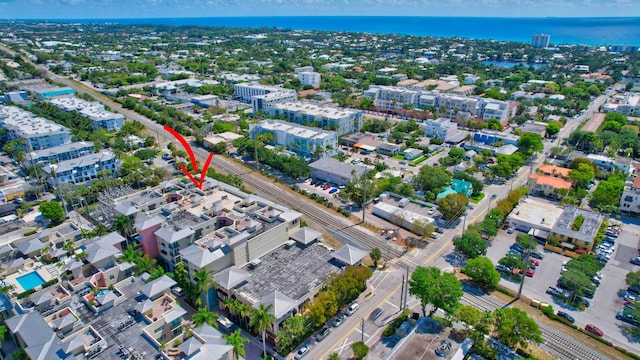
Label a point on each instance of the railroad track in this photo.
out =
(559, 345)
(326, 220)
(566, 348)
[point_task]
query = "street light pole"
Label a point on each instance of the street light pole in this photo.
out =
(54, 167)
(363, 330)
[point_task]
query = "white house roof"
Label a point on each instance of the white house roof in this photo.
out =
(157, 286)
(231, 277)
(349, 255)
(305, 235)
(282, 304)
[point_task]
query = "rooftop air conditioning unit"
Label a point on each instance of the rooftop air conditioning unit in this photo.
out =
(255, 264)
(289, 244)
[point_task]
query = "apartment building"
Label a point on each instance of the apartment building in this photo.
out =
(60, 153)
(306, 142)
(548, 185)
(540, 40)
(582, 239)
(38, 132)
(441, 128)
(608, 164)
(83, 168)
(488, 137)
(630, 199)
(628, 105)
(246, 91)
(392, 98)
(266, 102)
(342, 121)
(309, 78)
(495, 109)
(94, 111)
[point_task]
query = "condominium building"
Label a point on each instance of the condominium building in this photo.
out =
(495, 109)
(327, 117)
(392, 98)
(246, 91)
(540, 40)
(488, 137)
(60, 153)
(83, 168)
(630, 199)
(38, 132)
(629, 105)
(265, 102)
(441, 128)
(306, 142)
(309, 78)
(94, 111)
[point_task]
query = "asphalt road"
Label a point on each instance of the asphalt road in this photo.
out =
(385, 294)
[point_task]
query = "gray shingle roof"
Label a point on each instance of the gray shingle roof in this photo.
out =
(305, 235)
(190, 346)
(349, 255)
(157, 286)
(31, 246)
(282, 304)
(231, 277)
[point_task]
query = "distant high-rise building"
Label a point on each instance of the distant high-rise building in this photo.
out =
(540, 40)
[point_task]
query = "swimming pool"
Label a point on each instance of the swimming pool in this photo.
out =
(102, 292)
(30, 280)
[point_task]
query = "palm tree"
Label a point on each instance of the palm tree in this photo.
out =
(130, 255)
(203, 283)
(100, 230)
(262, 321)
(5, 290)
(237, 341)
(204, 316)
(122, 224)
(375, 255)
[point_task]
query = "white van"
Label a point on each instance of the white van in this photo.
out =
(352, 309)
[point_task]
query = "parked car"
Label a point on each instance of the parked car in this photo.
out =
(177, 290)
(626, 317)
(323, 333)
(444, 349)
(593, 329)
(333, 191)
(503, 268)
(352, 309)
(510, 230)
(339, 320)
(534, 262)
(528, 273)
(635, 261)
(583, 301)
(375, 314)
(517, 247)
(566, 316)
(537, 255)
(327, 186)
(301, 352)
(432, 211)
(439, 231)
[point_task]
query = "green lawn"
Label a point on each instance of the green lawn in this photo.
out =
(476, 199)
(398, 157)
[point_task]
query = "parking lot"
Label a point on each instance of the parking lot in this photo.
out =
(608, 296)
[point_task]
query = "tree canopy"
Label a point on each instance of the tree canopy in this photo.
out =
(452, 206)
(441, 290)
(482, 271)
(529, 143)
(515, 328)
(53, 211)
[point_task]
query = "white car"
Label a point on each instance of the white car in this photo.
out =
(301, 352)
(432, 211)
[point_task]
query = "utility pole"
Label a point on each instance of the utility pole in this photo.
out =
(363, 330)
(402, 295)
(464, 222)
(406, 290)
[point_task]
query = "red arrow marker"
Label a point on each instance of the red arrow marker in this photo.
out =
(192, 157)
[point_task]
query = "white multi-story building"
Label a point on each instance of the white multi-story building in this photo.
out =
(342, 121)
(540, 40)
(60, 153)
(309, 78)
(265, 102)
(246, 91)
(460, 106)
(495, 109)
(392, 98)
(630, 199)
(94, 111)
(81, 169)
(39, 133)
(441, 128)
(629, 105)
(306, 142)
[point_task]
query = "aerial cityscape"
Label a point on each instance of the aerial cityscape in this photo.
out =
(288, 180)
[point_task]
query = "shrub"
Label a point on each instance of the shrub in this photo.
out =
(395, 324)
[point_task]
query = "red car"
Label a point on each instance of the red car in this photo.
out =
(593, 329)
(534, 262)
(529, 272)
(326, 187)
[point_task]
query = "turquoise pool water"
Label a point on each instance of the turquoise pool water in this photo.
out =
(30, 280)
(102, 292)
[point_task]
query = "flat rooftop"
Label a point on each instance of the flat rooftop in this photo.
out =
(293, 272)
(534, 210)
(588, 229)
(315, 110)
(296, 130)
(27, 124)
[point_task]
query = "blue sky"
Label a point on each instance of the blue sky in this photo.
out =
(83, 9)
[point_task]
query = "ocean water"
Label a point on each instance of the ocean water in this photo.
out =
(591, 31)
